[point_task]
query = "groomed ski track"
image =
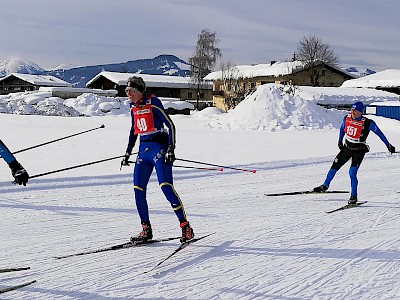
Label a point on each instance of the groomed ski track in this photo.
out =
(264, 248)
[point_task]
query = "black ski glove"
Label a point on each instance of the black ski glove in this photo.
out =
(391, 148)
(19, 173)
(170, 155)
(125, 160)
(340, 145)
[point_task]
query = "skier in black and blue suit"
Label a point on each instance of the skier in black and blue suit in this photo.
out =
(352, 144)
(156, 150)
(18, 172)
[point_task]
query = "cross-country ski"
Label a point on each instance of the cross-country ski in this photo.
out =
(306, 192)
(347, 206)
(6, 270)
(15, 287)
(181, 247)
(118, 247)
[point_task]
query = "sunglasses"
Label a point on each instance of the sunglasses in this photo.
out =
(130, 89)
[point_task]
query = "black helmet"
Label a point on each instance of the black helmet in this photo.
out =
(137, 83)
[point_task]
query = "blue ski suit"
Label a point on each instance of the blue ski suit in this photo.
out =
(6, 154)
(148, 120)
(354, 132)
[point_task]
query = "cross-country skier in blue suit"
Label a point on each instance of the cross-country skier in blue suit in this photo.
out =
(156, 150)
(18, 172)
(352, 144)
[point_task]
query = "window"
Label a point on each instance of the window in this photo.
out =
(190, 95)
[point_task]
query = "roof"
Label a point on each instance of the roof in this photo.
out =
(249, 71)
(268, 70)
(41, 80)
(385, 79)
(150, 80)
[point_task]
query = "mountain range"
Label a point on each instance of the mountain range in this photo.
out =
(164, 64)
(78, 76)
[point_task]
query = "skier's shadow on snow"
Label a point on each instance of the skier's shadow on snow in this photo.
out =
(226, 249)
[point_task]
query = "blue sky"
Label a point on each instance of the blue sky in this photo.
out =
(363, 33)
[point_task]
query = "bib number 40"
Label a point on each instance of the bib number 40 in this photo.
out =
(141, 124)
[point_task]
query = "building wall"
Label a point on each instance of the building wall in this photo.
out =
(160, 91)
(13, 84)
(330, 78)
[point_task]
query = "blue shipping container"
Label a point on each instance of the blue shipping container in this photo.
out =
(392, 112)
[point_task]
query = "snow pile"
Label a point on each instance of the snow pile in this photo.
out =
(95, 105)
(268, 108)
(88, 104)
(35, 103)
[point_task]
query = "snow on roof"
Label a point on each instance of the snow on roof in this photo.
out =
(150, 80)
(248, 71)
(39, 79)
(344, 95)
(386, 103)
(272, 69)
(388, 78)
(78, 90)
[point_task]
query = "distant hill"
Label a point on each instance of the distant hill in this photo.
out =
(79, 76)
(162, 64)
(18, 65)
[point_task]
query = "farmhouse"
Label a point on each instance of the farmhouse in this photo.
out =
(16, 82)
(163, 86)
(232, 84)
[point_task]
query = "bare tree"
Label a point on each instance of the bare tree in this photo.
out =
(204, 59)
(233, 84)
(313, 52)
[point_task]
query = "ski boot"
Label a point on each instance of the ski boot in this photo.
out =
(187, 232)
(320, 189)
(353, 200)
(145, 235)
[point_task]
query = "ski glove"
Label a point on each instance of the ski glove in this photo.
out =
(125, 160)
(170, 155)
(391, 148)
(19, 173)
(340, 145)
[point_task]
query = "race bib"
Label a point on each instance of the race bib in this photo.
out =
(143, 119)
(353, 129)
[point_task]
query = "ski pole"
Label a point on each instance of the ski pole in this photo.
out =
(190, 167)
(225, 167)
(78, 166)
(200, 168)
(102, 126)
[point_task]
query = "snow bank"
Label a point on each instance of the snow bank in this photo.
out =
(88, 104)
(268, 108)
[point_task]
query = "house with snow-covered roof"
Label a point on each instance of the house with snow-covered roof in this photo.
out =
(388, 80)
(164, 86)
(232, 84)
(16, 82)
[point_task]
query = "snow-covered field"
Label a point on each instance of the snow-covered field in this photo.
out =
(264, 247)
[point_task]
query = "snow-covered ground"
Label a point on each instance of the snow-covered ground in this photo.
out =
(264, 247)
